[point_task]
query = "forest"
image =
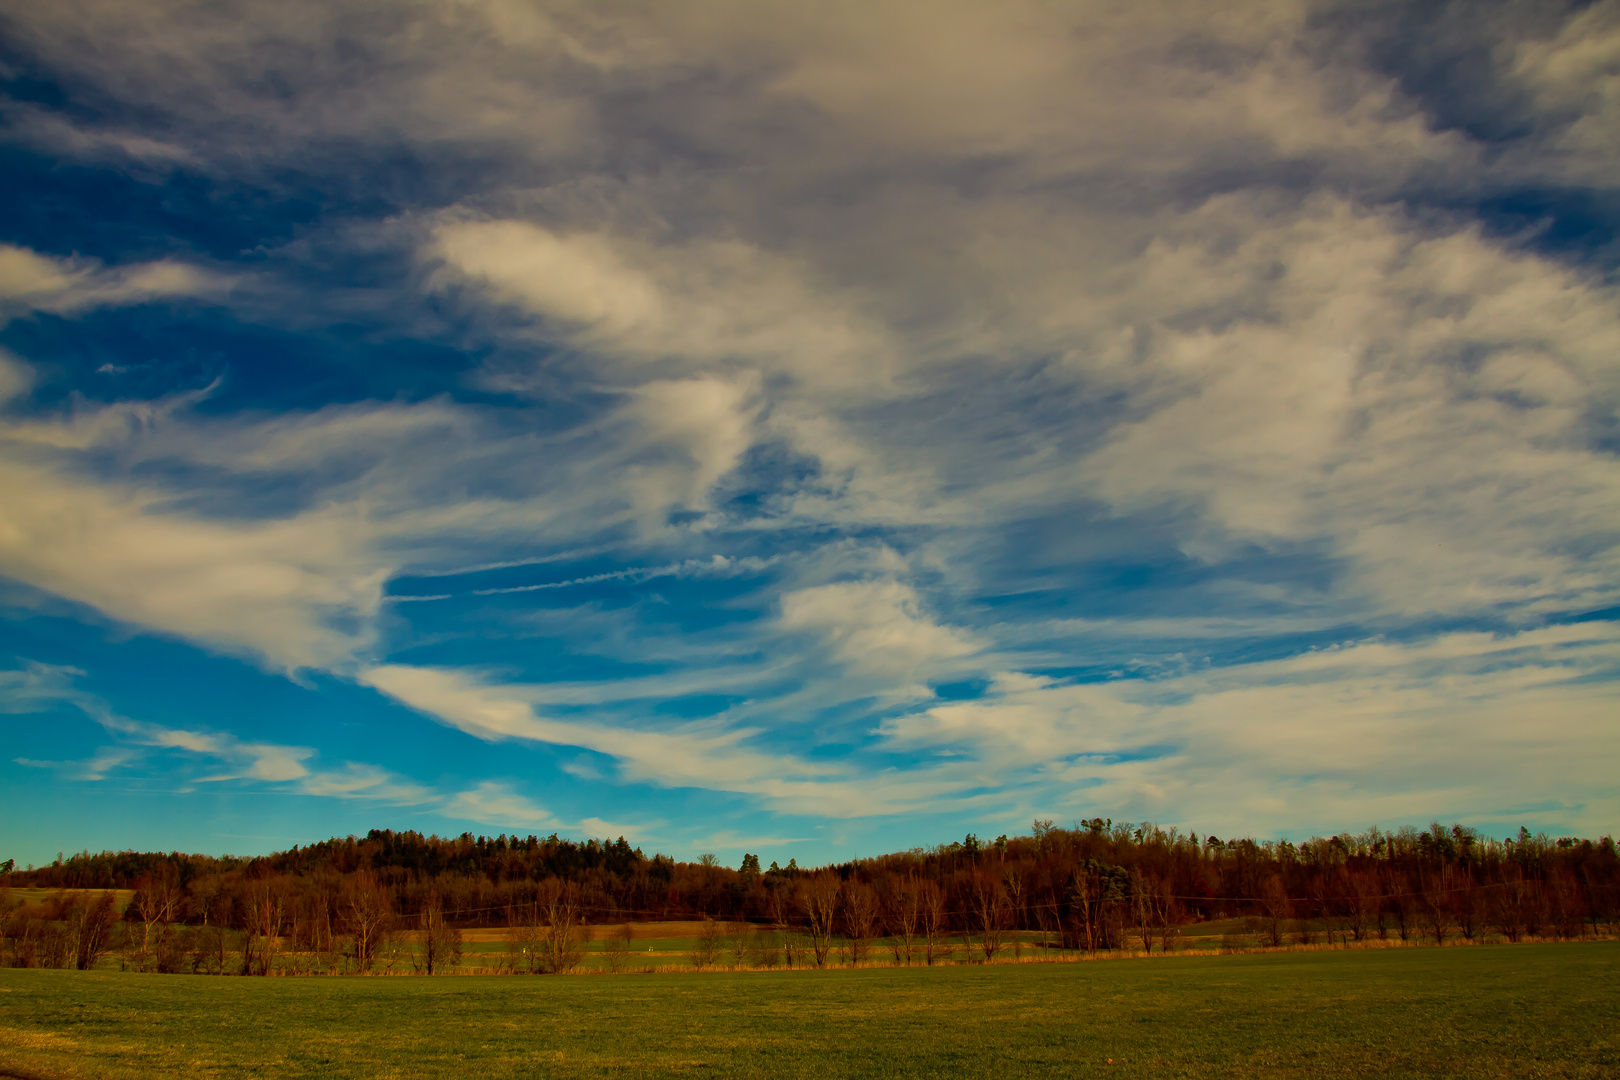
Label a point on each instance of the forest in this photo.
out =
(347, 904)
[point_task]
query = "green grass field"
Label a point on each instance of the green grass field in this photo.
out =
(1546, 1010)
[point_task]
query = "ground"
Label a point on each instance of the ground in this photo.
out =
(1542, 1010)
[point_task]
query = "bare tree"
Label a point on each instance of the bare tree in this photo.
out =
(935, 923)
(1508, 905)
(905, 919)
(706, 950)
(1278, 909)
(391, 948)
(818, 899)
(368, 912)
(860, 920)
(1435, 903)
(1362, 903)
(266, 912)
(991, 910)
(779, 902)
(204, 898)
(1398, 903)
(1468, 905)
(1049, 915)
(1567, 905)
(1142, 909)
(1165, 910)
(92, 922)
(157, 901)
(523, 951)
(563, 933)
(616, 948)
(1536, 909)
(438, 943)
(1015, 913)
(208, 949)
(738, 934)
(765, 948)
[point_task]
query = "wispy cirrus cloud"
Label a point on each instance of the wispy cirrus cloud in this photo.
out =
(31, 281)
(221, 756)
(916, 411)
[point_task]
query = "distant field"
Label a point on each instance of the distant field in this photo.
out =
(121, 897)
(668, 946)
(1545, 1010)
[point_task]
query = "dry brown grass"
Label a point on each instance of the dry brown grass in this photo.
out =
(639, 931)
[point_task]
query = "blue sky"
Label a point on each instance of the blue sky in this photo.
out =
(809, 430)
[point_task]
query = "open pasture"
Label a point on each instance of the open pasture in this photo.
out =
(1545, 1010)
(33, 898)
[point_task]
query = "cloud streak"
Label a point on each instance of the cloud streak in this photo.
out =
(920, 410)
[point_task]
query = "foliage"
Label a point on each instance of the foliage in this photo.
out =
(1095, 886)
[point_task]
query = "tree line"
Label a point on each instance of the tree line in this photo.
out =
(394, 901)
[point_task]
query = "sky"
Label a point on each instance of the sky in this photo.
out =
(813, 430)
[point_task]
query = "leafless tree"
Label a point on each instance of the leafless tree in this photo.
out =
(92, 922)
(616, 948)
(991, 912)
(368, 913)
(266, 916)
(765, 947)
(1164, 910)
(1567, 905)
(1398, 903)
(1049, 916)
(1361, 903)
(438, 943)
(208, 950)
(860, 920)
(157, 901)
(818, 899)
(1435, 903)
(523, 951)
(706, 949)
(905, 919)
(1015, 911)
(935, 923)
(780, 902)
(1277, 908)
(1468, 905)
(1508, 905)
(563, 933)
(738, 934)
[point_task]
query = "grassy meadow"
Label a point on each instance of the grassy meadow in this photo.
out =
(1541, 1010)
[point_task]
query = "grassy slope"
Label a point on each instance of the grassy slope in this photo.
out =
(1520, 1011)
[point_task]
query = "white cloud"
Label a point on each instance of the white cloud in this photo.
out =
(1473, 725)
(696, 755)
(488, 712)
(874, 627)
(1418, 401)
(497, 805)
(1573, 78)
(298, 592)
(963, 275)
(30, 281)
(688, 433)
(53, 134)
(35, 687)
(358, 780)
(665, 308)
(15, 378)
(95, 767)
